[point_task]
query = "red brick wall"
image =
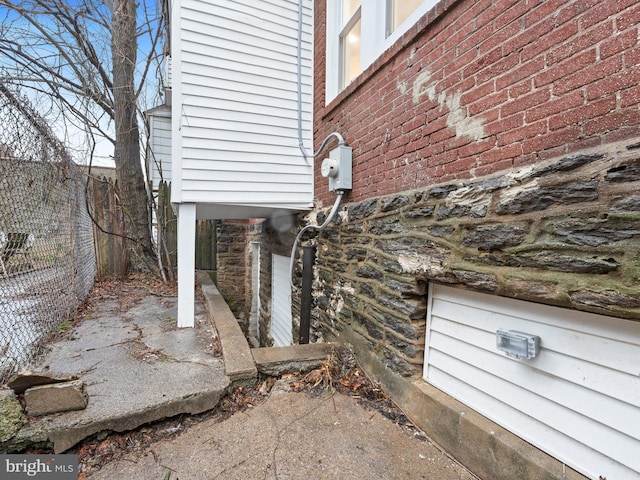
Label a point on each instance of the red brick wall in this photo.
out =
(483, 86)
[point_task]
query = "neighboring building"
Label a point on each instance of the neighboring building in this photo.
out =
(158, 155)
(496, 170)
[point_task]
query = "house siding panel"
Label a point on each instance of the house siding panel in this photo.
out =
(587, 416)
(159, 163)
(238, 104)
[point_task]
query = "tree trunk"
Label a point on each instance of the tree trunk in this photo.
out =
(127, 144)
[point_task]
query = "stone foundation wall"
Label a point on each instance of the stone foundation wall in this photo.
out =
(564, 232)
(233, 279)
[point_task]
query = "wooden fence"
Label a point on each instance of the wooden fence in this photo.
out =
(110, 239)
(108, 229)
(205, 233)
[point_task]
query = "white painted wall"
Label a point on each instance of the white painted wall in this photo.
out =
(578, 400)
(234, 101)
(281, 320)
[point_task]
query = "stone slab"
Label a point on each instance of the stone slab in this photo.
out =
(294, 358)
(238, 361)
(55, 398)
(24, 380)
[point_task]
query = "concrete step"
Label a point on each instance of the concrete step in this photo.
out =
(276, 361)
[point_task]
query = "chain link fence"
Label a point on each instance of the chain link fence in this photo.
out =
(47, 258)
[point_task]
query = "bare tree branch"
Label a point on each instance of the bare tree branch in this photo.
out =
(83, 56)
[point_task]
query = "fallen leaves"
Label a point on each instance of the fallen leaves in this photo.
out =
(339, 373)
(126, 292)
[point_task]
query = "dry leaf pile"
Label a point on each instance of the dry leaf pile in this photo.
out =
(341, 373)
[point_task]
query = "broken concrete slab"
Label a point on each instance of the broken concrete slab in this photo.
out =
(294, 358)
(55, 398)
(126, 390)
(24, 380)
(12, 418)
(292, 436)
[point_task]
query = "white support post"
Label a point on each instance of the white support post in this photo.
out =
(186, 264)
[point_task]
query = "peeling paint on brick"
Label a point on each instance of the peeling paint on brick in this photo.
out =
(457, 119)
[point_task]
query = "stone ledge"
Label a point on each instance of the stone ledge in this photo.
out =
(238, 361)
(486, 448)
(276, 361)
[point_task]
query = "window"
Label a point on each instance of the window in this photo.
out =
(398, 12)
(358, 31)
(350, 37)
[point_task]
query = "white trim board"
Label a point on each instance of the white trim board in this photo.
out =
(281, 319)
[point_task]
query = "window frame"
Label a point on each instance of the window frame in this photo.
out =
(342, 38)
(374, 26)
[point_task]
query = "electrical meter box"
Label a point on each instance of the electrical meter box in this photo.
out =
(337, 168)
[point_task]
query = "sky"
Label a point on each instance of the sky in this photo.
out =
(13, 28)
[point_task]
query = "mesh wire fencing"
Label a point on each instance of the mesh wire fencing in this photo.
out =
(47, 259)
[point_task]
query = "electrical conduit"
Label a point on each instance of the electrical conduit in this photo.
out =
(307, 155)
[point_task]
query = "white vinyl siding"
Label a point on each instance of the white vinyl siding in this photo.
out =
(159, 161)
(578, 400)
(280, 302)
(236, 66)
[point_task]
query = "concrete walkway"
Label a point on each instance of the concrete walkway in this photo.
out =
(138, 368)
(291, 436)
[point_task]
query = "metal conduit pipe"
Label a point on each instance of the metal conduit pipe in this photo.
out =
(308, 259)
(332, 214)
(307, 155)
(308, 251)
